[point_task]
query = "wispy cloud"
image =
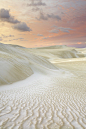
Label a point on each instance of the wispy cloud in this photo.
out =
(39, 3)
(6, 36)
(54, 31)
(39, 35)
(57, 29)
(45, 38)
(42, 16)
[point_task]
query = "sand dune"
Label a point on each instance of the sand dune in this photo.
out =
(16, 64)
(52, 90)
(58, 52)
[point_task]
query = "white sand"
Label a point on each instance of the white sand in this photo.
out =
(49, 89)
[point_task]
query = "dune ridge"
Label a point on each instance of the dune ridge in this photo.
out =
(50, 92)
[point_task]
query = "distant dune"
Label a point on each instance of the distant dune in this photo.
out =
(53, 47)
(42, 88)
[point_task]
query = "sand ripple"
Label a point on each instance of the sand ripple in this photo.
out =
(57, 104)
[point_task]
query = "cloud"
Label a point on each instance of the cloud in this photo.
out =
(39, 3)
(11, 35)
(39, 35)
(18, 39)
(57, 29)
(64, 29)
(6, 17)
(45, 37)
(42, 16)
(35, 9)
(54, 31)
(21, 39)
(4, 13)
(14, 39)
(54, 16)
(4, 36)
(22, 27)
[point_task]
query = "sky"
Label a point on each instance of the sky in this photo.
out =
(39, 23)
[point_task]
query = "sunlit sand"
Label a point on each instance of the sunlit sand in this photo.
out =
(42, 88)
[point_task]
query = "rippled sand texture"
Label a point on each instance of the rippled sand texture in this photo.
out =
(53, 95)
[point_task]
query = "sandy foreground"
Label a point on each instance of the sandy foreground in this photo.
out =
(42, 88)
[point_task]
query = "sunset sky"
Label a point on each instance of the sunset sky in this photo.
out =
(37, 23)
